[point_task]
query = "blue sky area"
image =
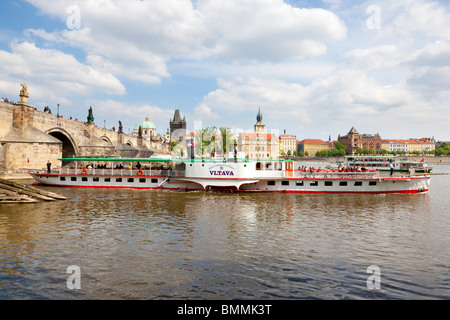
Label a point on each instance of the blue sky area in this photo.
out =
(315, 68)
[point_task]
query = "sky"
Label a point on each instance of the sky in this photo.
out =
(314, 68)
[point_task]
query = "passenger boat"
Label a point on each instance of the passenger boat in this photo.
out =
(224, 175)
(381, 163)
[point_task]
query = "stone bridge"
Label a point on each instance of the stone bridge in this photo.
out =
(29, 138)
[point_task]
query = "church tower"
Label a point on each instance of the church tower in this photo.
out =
(259, 126)
(177, 127)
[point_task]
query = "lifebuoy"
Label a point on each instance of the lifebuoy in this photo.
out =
(140, 172)
(84, 171)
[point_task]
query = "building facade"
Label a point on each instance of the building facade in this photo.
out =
(353, 140)
(311, 146)
(408, 146)
(288, 144)
(260, 144)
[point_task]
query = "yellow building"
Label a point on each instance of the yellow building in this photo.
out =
(312, 146)
(288, 143)
(408, 146)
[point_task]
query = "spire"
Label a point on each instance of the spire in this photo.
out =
(259, 117)
(177, 116)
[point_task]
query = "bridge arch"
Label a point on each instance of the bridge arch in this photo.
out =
(69, 147)
(105, 138)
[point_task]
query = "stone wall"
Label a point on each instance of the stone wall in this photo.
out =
(29, 138)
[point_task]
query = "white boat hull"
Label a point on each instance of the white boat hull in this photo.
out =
(307, 184)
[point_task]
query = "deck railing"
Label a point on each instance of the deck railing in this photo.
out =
(123, 172)
(335, 174)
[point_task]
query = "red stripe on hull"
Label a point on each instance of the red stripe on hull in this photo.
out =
(265, 191)
(337, 192)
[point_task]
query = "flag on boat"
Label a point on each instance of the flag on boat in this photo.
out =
(423, 158)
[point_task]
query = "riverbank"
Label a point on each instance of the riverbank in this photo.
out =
(13, 192)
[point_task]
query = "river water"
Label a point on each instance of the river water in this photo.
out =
(140, 244)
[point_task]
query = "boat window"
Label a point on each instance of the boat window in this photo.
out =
(154, 180)
(73, 178)
(142, 180)
(258, 166)
(118, 179)
(84, 179)
(358, 183)
(299, 183)
(96, 179)
(284, 183)
(62, 178)
(343, 183)
(328, 183)
(271, 183)
(314, 184)
(269, 166)
(107, 179)
(130, 180)
(372, 183)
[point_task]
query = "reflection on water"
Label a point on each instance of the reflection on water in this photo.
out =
(135, 244)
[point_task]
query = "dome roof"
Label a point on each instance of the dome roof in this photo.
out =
(147, 124)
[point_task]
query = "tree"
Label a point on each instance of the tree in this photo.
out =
(205, 141)
(228, 141)
(340, 146)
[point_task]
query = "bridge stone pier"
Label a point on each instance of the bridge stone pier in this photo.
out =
(29, 138)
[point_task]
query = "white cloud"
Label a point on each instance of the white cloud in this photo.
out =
(137, 39)
(305, 67)
(45, 69)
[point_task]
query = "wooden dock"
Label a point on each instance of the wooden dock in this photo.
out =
(13, 192)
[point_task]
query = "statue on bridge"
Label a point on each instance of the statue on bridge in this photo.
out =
(90, 118)
(24, 94)
(120, 127)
